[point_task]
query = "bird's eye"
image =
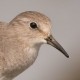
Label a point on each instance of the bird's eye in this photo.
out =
(33, 25)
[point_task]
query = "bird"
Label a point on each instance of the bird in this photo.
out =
(20, 41)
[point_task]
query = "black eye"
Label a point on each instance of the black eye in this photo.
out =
(33, 25)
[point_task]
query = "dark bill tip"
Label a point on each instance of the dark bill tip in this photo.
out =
(51, 41)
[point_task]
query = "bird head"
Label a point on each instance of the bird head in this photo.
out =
(35, 27)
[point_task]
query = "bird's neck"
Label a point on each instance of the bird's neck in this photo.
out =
(18, 61)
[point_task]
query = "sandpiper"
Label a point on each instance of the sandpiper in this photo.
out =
(20, 40)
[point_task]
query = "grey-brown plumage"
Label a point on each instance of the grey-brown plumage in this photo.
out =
(20, 40)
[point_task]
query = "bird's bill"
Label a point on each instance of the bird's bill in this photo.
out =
(51, 41)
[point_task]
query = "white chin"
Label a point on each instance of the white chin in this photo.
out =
(41, 41)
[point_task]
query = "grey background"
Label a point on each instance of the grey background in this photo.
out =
(65, 16)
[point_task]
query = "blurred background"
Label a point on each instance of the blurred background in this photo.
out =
(65, 17)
